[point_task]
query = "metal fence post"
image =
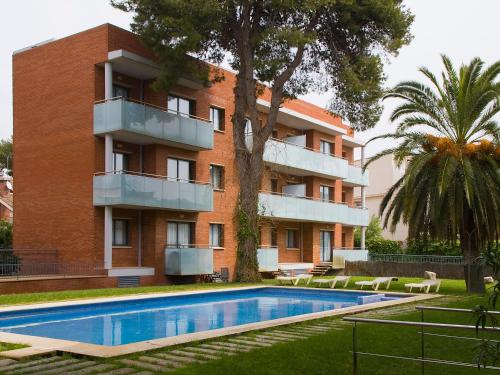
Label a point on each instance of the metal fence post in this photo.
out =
(422, 341)
(354, 350)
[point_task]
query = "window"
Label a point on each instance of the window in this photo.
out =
(120, 91)
(274, 185)
(274, 237)
(325, 193)
(292, 238)
(344, 244)
(180, 234)
(217, 176)
(274, 134)
(216, 235)
(344, 198)
(327, 147)
(217, 118)
(120, 162)
(184, 107)
(120, 232)
(180, 170)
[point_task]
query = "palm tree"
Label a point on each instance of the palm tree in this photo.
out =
(448, 135)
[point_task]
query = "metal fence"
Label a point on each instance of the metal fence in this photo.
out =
(424, 332)
(410, 258)
(21, 263)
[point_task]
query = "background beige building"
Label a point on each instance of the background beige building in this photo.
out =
(383, 174)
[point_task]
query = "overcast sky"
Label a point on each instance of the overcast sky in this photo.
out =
(461, 29)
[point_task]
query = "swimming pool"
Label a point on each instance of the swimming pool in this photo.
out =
(142, 319)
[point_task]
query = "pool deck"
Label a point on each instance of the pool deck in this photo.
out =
(41, 345)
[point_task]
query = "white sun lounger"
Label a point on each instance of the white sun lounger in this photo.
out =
(424, 285)
(282, 280)
(306, 278)
(375, 283)
(334, 281)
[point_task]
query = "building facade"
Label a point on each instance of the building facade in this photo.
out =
(144, 182)
(388, 173)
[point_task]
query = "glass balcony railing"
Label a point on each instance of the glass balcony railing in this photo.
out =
(189, 261)
(124, 189)
(305, 209)
(355, 176)
(148, 124)
(281, 153)
(267, 258)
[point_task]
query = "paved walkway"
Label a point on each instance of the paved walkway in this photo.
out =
(170, 359)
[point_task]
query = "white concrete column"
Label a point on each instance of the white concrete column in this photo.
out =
(363, 238)
(363, 201)
(108, 80)
(108, 237)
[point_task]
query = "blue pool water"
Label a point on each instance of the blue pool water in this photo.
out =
(124, 322)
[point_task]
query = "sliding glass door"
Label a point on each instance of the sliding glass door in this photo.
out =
(325, 244)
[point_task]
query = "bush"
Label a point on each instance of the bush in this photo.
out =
(382, 246)
(433, 248)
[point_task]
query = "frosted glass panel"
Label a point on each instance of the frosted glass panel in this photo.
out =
(300, 159)
(151, 122)
(295, 190)
(188, 261)
(142, 191)
(299, 140)
(267, 259)
(292, 208)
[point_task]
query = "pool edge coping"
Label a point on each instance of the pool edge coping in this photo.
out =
(43, 345)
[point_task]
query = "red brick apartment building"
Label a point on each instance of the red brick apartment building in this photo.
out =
(143, 182)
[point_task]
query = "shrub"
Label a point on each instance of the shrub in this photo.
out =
(382, 246)
(433, 248)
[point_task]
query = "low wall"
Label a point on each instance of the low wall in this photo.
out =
(443, 271)
(52, 284)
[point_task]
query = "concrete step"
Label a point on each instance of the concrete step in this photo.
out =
(143, 365)
(5, 362)
(181, 361)
(168, 365)
(67, 369)
(19, 365)
(248, 342)
(94, 369)
(44, 366)
(186, 353)
(119, 371)
(225, 348)
(231, 346)
(220, 352)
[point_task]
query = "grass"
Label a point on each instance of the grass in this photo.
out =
(68, 295)
(447, 287)
(4, 346)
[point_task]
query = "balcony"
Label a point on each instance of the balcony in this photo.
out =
(139, 123)
(267, 258)
(143, 191)
(306, 209)
(189, 261)
(298, 160)
(356, 177)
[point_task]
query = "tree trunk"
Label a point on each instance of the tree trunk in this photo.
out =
(470, 245)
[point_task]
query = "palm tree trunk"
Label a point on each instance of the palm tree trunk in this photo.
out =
(469, 243)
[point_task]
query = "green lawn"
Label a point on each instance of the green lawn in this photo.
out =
(6, 346)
